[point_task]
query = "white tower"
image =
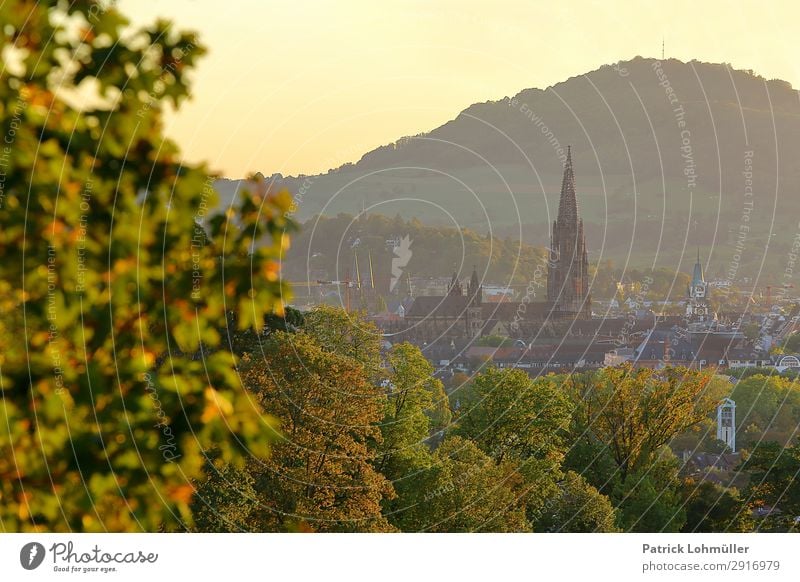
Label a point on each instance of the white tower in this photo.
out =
(726, 423)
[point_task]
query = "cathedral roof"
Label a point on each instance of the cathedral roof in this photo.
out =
(438, 306)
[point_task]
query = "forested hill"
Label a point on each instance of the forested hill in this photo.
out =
(663, 153)
(329, 245)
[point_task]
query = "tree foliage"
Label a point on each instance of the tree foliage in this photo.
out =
(464, 490)
(515, 419)
(347, 334)
(320, 473)
(578, 507)
(651, 498)
(416, 404)
(636, 412)
(767, 409)
(508, 415)
(113, 271)
(774, 484)
(711, 508)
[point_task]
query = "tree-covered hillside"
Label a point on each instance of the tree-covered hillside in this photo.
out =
(668, 155)
(327, 247)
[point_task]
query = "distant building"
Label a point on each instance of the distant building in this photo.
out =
(559, 334)
(461, 313)
(697, 308)
(726, 423)
(568, 264)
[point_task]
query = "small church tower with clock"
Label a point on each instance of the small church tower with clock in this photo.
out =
(697, 309)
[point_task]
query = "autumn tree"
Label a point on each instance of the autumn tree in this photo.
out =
(711, 508)
(416, 406)
(320, 474)
(513, 418)
(465, 490)
(651, 498)
(624, 419)
(346, 333)
(114, 269)
(636, 412)
(577, 507)
(774, 473)
(702, 436)
(226, 500)
(767, 409)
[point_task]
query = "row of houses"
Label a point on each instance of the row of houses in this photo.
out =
(641, 343)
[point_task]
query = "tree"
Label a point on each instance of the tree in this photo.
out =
(711, 508)
(320, 474)
(249, 341)
(508, 415)
(702, 437)
(591, 458)
(624, 419)
(226, 502)
(792, 343)
(513, 418)
(650, 499)
(346, 334)
(416, 402)
(767, 408)
(464, 490)
(113, 271)
(578, 507)
(636, 412)
(774, 475)
(415, 406)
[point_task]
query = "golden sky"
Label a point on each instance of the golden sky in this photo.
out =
(296, 86)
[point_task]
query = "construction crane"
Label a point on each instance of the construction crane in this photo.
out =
(348, 284)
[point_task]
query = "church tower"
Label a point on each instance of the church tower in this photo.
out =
(474, 309)
(697, 310)
(568, 264)
(475, 289)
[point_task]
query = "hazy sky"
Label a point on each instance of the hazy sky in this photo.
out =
(302, 86)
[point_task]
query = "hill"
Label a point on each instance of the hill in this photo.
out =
(668, 156)
(326, 247)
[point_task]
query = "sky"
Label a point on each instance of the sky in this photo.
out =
(298, 87)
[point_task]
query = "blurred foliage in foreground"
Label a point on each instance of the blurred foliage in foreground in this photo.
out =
(114, 271)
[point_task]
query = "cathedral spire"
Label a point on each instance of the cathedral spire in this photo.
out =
(475, 291)
(455, 287)
(568, 267)
(697, 274)
(568, 203)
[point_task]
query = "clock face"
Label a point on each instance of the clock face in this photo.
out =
(699, 290)
(701, 310)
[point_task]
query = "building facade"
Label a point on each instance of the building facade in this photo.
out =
(463, 314)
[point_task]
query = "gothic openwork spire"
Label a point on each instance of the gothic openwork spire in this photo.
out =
(568, 272)
(568, 203)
